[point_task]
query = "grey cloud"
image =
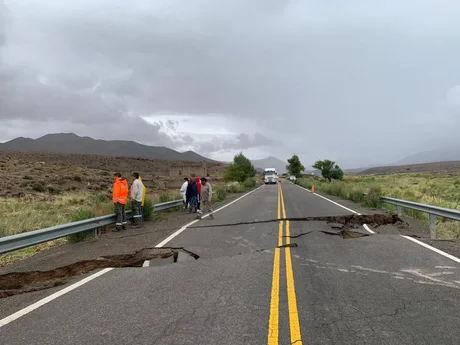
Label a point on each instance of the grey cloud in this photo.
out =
(327, 79)
(244, 141)
(241, 141)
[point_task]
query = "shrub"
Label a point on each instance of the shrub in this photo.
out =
(164, 197)
(336, 188)
(100, 198)
(81, 214)
(77, 178)
(356, 195)
(148, 209)
(373, 197)
(219, 194)
(38, 187)
(235, 188)
(249, 182)
(54, 190)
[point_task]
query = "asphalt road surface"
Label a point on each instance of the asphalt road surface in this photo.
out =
(245, 289)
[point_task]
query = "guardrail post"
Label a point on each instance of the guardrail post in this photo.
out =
(399, 209)
(433, 226)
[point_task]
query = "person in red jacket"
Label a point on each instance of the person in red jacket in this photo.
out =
(120, 199)
(198, 185)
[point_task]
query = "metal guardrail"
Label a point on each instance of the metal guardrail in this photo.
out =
(432, 211)
(166, 205)
(31, 238)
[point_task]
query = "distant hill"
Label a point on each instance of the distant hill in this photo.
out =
(445, 154)
(270, 162)
(72, 143)
(440, 167)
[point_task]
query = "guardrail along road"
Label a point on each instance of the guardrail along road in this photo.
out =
(263, 276)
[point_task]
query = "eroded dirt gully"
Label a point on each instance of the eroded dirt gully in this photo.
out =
(21, 282)
(15, 283)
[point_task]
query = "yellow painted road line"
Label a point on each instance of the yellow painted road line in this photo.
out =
(282, 202)
(294, 323)
(273, 323)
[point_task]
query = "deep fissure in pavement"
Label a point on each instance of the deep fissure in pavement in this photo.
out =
(347, 221)
(346, 234)
(22, 282)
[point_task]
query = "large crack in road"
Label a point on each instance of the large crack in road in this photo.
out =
(22, 282)
(348, 221)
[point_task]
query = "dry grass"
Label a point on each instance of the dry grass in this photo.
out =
(438, 189)
(37, 212)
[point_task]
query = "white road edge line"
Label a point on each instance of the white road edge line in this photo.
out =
(55, 295)
(365, 226)
(454, 258)
(335, 203)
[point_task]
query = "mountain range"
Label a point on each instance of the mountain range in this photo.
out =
(443, 154)
(270, 162)
(72, 143)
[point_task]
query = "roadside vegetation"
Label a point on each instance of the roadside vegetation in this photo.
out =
(295, 167)
(436, 189)
(240, 176)
(35, 212)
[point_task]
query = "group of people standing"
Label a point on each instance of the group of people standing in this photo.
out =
(198, 191)
(197, 194)
(120, 199)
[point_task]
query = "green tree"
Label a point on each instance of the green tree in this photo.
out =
(329, 170)
(295, 167)
(240, 169)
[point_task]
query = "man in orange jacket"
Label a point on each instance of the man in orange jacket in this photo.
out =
(120, 198)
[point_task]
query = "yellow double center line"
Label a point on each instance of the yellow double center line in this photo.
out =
(273, 324)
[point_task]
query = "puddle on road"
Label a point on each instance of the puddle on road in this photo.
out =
(22, 282)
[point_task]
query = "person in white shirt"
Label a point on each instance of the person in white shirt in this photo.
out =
(136, 199)
(183, 191)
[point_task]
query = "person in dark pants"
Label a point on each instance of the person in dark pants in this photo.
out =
(119, 199)
(198, 185)
(136, 199)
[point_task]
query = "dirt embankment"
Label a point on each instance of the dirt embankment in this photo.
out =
(28, 173)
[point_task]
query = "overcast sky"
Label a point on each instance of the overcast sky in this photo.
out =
(358, 81)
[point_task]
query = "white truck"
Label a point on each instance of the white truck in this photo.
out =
(270, 176)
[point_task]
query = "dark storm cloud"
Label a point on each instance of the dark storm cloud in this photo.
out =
(323, 78)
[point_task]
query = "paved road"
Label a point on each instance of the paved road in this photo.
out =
(380, 289)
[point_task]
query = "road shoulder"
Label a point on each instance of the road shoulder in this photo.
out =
(414, 228)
